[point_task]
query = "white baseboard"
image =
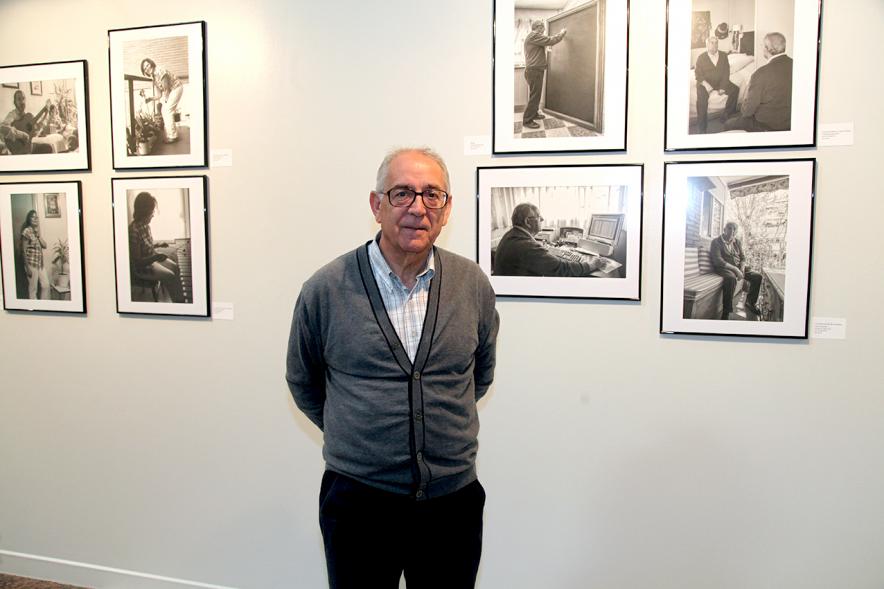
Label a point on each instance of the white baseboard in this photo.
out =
(89, 575)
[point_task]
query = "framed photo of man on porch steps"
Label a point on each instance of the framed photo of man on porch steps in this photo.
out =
(737, 247)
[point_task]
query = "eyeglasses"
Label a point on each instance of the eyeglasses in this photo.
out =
(403, 197)
(538, 218)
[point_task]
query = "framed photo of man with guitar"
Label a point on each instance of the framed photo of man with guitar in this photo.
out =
(44, 117)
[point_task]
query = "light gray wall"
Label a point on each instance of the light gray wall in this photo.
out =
(613, 457)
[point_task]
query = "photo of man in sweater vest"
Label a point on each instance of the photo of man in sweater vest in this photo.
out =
(391, 346)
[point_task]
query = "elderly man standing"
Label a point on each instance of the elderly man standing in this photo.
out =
(768, 103)
(713, 73)
(519, 254)
(535, 68)
(391, 346)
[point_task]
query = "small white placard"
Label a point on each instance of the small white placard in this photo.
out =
(829, 328)
(477, 145)
(221, 158)
(836, 134)
(222, 311)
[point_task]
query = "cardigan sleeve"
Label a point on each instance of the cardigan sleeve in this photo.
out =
(486, 353)
(305, 366)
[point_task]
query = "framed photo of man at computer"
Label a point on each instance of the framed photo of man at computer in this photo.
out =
(561, 231)
(560, 75)
(741, 73)
(161, 245)
(44, 117)
(737, 247)
(41, 247)
(158, 96)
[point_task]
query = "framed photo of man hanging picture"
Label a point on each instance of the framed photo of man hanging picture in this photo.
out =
(737, 241)
(561, 231)
(741, 73)
(560, 75)
(158, 96)
(41, 247)
(44, 117)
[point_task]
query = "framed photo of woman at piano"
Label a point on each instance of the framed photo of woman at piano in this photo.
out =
(41, 247)
(564, 231)
(44, 117)
(158, 96)
(161, 245)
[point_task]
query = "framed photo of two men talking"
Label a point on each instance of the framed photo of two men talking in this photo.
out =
(741, 73)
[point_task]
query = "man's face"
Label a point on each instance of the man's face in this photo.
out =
(767, 51)
(729, 233)
(411, 229)
(534, 221)
(712, 46)
(19, 101)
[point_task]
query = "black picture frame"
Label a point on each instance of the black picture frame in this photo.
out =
(771, 204)
(171, 275)
(586, 98)
(54, 138)
(549, 260)
(779, 111)
(159, 118)
(53, 288)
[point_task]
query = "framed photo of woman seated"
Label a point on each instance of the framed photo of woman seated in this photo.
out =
(741, 74)
(161, 245)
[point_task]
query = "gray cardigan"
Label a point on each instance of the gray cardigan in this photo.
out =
(409, 429)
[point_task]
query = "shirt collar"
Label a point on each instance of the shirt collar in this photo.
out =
(528, 233)
(383, 271)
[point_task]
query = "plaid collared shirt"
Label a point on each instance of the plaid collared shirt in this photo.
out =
(140, 243)
(405, 308)
(31, 248)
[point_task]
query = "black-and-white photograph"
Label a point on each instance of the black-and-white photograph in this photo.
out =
(743, 248)
(45, 123)
(561, 231)
(41, 247)
(560, 75)
(749, 68)
(157, 77)
(160, 245)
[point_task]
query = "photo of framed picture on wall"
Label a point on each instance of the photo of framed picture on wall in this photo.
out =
(158, 96)
(737, 247)
(41, 247)
(741, 73)
(161, 245)
(560, 75)
(561, 231)
(44, 117)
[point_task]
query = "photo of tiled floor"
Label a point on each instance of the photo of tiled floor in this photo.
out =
(549, 127)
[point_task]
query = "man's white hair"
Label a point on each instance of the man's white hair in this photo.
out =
(384, 168)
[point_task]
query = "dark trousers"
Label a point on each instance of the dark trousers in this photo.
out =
(730, 107)
(534, 77)
(730, 285)
(372, 536)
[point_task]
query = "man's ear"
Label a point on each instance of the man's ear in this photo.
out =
(374, 201)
